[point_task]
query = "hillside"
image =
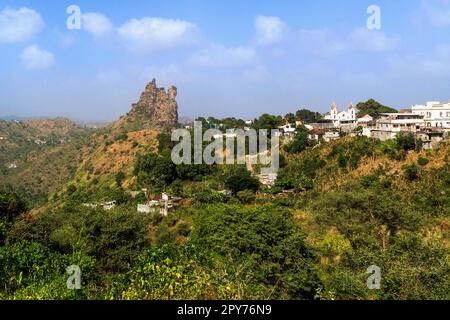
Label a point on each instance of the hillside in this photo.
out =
(335, 210)
(354, 203)
(30, 149)
(40, 157)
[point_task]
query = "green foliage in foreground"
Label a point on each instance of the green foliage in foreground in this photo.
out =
(309, 244)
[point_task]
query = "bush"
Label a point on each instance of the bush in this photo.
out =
(184, 229)
(411, 172)
(423, 161)
(406, 142)
(209, 196)
(120, 177)
(246, 196)
(240, 179)
(264, 243)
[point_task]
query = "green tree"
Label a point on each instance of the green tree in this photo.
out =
(120, 178)
(238, 178)
(373, 108)
(308, 116)
(11, 206)
(300, 141)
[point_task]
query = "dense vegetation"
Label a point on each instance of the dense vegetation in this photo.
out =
(373, 108)
(354, 203)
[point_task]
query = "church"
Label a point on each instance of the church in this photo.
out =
(342, 117)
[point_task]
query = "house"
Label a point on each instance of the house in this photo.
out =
(161, 203)
(108, 205)
(105, 205)
(435, 114)
(431, 136)
(288, 129)
(331, 136)
(316, 134)
(365, 121)
(341, 117)
(391, 124)
(11, 166)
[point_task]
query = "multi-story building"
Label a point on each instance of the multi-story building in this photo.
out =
(435, 114)
(342, 117)
(391, 124)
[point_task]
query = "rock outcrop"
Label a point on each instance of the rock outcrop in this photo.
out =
(156, 107)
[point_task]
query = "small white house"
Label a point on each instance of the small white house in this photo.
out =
(331, 136)
(288, 129)
(364, 121)
(105, 205)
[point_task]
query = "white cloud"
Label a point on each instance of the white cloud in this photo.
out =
(148, 35)
(436, 13)
(322, 42)
(220, 56)
(167, 74)
(434, 63)
(328, 43)
(34, 57)
(269, 30)
(97, 24)
(19, 25)
(373, 40)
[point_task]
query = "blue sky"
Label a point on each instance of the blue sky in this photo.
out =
(227, 58)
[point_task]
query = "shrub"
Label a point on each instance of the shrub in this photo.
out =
(246, 196)
(411, 172)
(423, 161)
(239, 179)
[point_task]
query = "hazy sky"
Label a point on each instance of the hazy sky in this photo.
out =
(227, 58)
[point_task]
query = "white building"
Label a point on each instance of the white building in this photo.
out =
(331, 136)
(435, 114)
(364, 121)
(162, 204)
(11, 166)
(391, 124)
(288, 129)
(105, 205)
(341, 117)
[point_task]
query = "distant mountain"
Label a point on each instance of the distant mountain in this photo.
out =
(50, 154)
(185, 120)
(12, 117)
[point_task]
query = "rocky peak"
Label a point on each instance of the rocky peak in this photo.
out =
(156, 108)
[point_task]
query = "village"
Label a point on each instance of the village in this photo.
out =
(430, 123)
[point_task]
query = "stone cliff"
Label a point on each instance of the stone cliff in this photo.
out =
(156, 108)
